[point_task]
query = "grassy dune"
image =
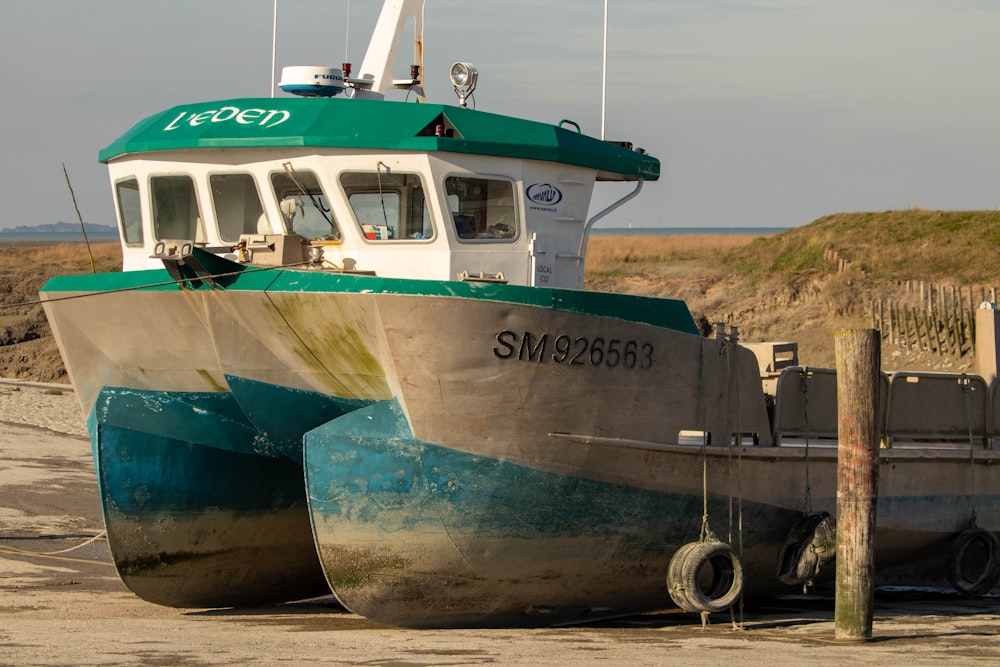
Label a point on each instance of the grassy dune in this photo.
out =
(804, 284)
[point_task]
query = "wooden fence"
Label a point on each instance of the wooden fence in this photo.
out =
(929, 317)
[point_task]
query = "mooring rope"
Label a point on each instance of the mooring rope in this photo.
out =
(805, 413)
(705, 534)
(967, 392)
(165, 283)
(734, 387)
(55, 555)
(726, 350)
(91, 540)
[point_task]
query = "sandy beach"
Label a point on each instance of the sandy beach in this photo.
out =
(61, 602)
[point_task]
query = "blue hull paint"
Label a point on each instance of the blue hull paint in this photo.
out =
(415, 534)
(212, 419)
(200, 509)
(283, 415)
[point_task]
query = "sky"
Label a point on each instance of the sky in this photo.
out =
(763, 113)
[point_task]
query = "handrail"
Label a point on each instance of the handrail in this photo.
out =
(585, 237)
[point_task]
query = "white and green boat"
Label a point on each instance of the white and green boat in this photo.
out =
(350, 345)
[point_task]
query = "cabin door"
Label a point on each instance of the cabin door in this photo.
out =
(543, 262)
(554, 263)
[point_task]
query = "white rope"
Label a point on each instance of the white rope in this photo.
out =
(91, 540)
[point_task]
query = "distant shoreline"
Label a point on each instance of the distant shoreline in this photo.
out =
(56, 237)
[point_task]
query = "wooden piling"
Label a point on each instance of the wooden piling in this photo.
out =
(858, 367)
(988, 344)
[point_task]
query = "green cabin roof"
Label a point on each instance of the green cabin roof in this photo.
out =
(378, 125)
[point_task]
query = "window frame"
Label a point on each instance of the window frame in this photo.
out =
(200, 235)
(123, 225)
(427, 217)
(323, 192)
(515, 206)
(215, 210)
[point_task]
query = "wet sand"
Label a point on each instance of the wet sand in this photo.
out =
(61, 602)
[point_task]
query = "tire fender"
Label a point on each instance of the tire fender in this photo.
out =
(983, 580)
(675, 578)
(810, 546)
(685, 580)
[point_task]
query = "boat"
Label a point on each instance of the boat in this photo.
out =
(350, 350)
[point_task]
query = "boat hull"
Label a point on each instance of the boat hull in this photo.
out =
(484, 454)
(415, 534)
(198, 509)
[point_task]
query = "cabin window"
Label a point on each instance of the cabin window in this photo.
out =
(175, 209)
(237, 206)
(482, 209)
(388, 207)
(304, 206)
(129, 211)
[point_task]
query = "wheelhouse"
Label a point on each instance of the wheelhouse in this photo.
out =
(406, 190)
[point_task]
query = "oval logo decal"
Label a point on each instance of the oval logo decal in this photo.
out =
(544, 194)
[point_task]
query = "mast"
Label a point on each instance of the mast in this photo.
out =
(375, 75)
(274, 43)
(604, 76)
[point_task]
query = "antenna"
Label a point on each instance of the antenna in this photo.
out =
(604, 76)
(274, 43)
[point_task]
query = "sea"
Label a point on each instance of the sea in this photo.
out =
(99, 237)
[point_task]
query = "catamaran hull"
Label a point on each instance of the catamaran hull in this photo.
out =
(483, 454)
(415, 534)
(503, 485)
(196, 514)
(201, 508)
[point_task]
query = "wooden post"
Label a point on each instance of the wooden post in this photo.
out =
(910, 338)
(858, 367)
(987, 343)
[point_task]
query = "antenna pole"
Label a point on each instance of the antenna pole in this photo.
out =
(604, 77)
(274, 43)
(83, 227)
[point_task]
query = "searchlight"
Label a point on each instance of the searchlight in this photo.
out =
(463, 78)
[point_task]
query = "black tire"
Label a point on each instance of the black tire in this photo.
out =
(799, 561)
(675, 578)
(986, 573)
(724, 586)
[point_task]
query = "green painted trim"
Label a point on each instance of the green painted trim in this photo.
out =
(375, 125)
(152, 280)
(666, 313)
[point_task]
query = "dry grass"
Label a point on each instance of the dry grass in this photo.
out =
(619, 254)
(71, 257)
(27, 349)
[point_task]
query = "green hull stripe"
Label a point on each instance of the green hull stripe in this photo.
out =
(666, 313)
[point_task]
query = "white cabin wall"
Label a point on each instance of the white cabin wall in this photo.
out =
(490, 257)
(406, 258)
(543, 252)
(133, 257)
(419, 259)
(557, 201)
